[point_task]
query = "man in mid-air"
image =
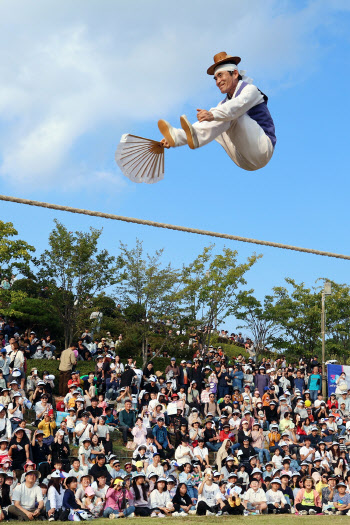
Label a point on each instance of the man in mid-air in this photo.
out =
(241, 123)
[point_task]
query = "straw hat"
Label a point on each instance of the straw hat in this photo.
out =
(222, 58)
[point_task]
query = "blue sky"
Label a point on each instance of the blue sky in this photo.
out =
(76, 76)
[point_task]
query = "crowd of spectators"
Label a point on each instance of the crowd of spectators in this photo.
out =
(208, 435)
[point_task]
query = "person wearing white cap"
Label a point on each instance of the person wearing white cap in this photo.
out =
(160, 499)
(241, 123)
(55, 497)
(276, 502)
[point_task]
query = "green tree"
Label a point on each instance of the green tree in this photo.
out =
(30, 312)
(256, 317)
(211, 284)
(75, 270)
(297, 313)
(15, 254)
(147, 285)
(337, 308)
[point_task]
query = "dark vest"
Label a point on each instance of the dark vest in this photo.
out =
(260, 114)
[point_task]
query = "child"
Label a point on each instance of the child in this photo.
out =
(4, 454)
(71, 420)
(187, 477)
(268, 470)
(102, 404)
(91, 503)
(102, 432)
(171, 486)
(277, 459)
(84, 454)
(244, 477)
(5, 398)
(276, 502)
(76, 471)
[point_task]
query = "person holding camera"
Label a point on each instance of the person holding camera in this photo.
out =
(117, 498)
(209, 496)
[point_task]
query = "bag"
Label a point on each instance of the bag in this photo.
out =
(49, 440)
(80, 515)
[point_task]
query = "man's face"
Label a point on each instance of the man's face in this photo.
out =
(31, 478)
(128, 405)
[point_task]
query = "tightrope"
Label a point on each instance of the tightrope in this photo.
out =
(186, 229)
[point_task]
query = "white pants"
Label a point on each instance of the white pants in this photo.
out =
(243, 140)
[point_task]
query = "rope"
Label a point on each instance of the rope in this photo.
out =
(171, 227)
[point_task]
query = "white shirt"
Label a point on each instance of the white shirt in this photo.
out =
(304, 451)
(86, 433)
(236, 107)
(27, 497)
(277, 461)
(160, 499)
(275, 497)
(157, 470)
(210, 494)
(183, 455)
(55, 499)
(234, 423)
(201, 452)
(255, 496)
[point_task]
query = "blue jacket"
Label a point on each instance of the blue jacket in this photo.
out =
(237, 379)
(161, 435)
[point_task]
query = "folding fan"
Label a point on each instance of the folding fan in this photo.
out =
(140, 159)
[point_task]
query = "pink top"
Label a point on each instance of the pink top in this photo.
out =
(114, 498)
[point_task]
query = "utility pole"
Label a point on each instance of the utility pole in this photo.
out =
(327, 290)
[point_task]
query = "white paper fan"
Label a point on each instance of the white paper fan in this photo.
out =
(140, 159)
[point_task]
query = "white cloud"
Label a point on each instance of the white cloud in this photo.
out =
(71, 70)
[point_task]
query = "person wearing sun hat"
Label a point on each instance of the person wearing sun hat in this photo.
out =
(241, 123)
(27, 498)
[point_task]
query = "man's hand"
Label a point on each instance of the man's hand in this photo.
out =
(203, 114)
(30, 515)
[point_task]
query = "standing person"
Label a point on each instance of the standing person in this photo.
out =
(261, 380)
(314, 383)
(241, 123)
(161, 439)
(28, 499)
(172, 372)
(67, 361)
(127, 420)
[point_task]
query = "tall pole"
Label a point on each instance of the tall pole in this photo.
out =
(324, 382)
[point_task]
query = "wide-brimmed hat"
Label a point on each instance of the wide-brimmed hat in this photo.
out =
(222, 58)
